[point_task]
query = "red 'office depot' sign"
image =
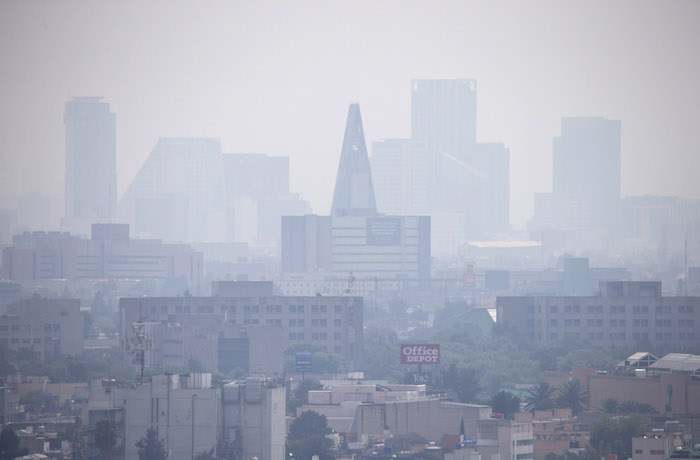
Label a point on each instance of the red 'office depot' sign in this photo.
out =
(420, 354)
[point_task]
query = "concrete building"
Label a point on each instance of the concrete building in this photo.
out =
(554, 432)
(91, 163)
(623, 314)
(332, 323)
(339, 401)
(430, 418)
(184, 410)
(651, 448)
(51, 327)
(252, 422)
(385, 247)
(110, 253)
(505, 439)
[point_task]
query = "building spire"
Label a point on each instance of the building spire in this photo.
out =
(354, 193)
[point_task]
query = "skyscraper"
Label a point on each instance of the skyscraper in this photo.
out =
(469, 179)
(354, 193)
(586, 167)
(91, 172)
(443, 115)
(179, 192)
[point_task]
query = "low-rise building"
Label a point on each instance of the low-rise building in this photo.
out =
(334, 324)
(630, 314)
(51, 327)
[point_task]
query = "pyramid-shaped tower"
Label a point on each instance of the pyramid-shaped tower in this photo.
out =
(354, 193)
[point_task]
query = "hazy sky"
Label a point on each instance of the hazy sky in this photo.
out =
(276, 77)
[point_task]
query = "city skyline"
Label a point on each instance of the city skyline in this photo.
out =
(558, 76)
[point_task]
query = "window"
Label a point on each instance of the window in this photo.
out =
(300, 336)
(300, 322)
(14, 340)
(292, 336)
(590, 309)
(337, 322)
(163, 309)
(337, 349)
(553, 309)
(188, 310)
(278, 323)
(590, 322)
(292, 309)
(314, 308)
(15, 327)
(613, 323)
(338, 309)
(324, 336)
(292, 322)
(337, 336)
(552, 322)
(178, 309)
(553, 336)
(314, 323)
(324, 323)
(314, 336)
(269, 322)
(3, 328)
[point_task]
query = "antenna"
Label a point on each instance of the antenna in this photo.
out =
(138, 345)
(349, 291)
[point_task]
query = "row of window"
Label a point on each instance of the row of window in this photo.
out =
(615, 309)
(315, 336)
(28, 327)
(637, 336)
(209, 309)
(622, 323)
(24, 341)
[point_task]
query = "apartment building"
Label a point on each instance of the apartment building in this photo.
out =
(50, 327)
(630, 314)
(332, 323)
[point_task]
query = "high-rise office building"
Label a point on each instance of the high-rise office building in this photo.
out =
(402, 173)
(91, 171)
(354, 192)
(179, 192)
(257, 196)
(468, 180)
(586, 167)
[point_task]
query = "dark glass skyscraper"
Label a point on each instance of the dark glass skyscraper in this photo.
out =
(354, 193)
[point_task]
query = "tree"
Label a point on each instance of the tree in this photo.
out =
(150, 447)
(464, 381)
(78, 444)
(504, 403)
(634, 407)
(206, 455)
(609, 436)
(307, 437)
(300, 395)
(572, 395)
(540, 397)
(609, 406)
(9, 445)
(106, 437)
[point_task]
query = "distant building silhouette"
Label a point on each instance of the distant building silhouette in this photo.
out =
(91, 172)
(586, 168)
(402, 175)
(468, 181)
(178, 194)
(354, 192)
(257, 196)
(354, 238)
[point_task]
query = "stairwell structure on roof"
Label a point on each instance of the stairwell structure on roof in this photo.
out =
(354, 192)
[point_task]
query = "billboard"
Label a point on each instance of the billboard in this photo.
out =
(303, 361)
(420, 354)
(383, 231)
